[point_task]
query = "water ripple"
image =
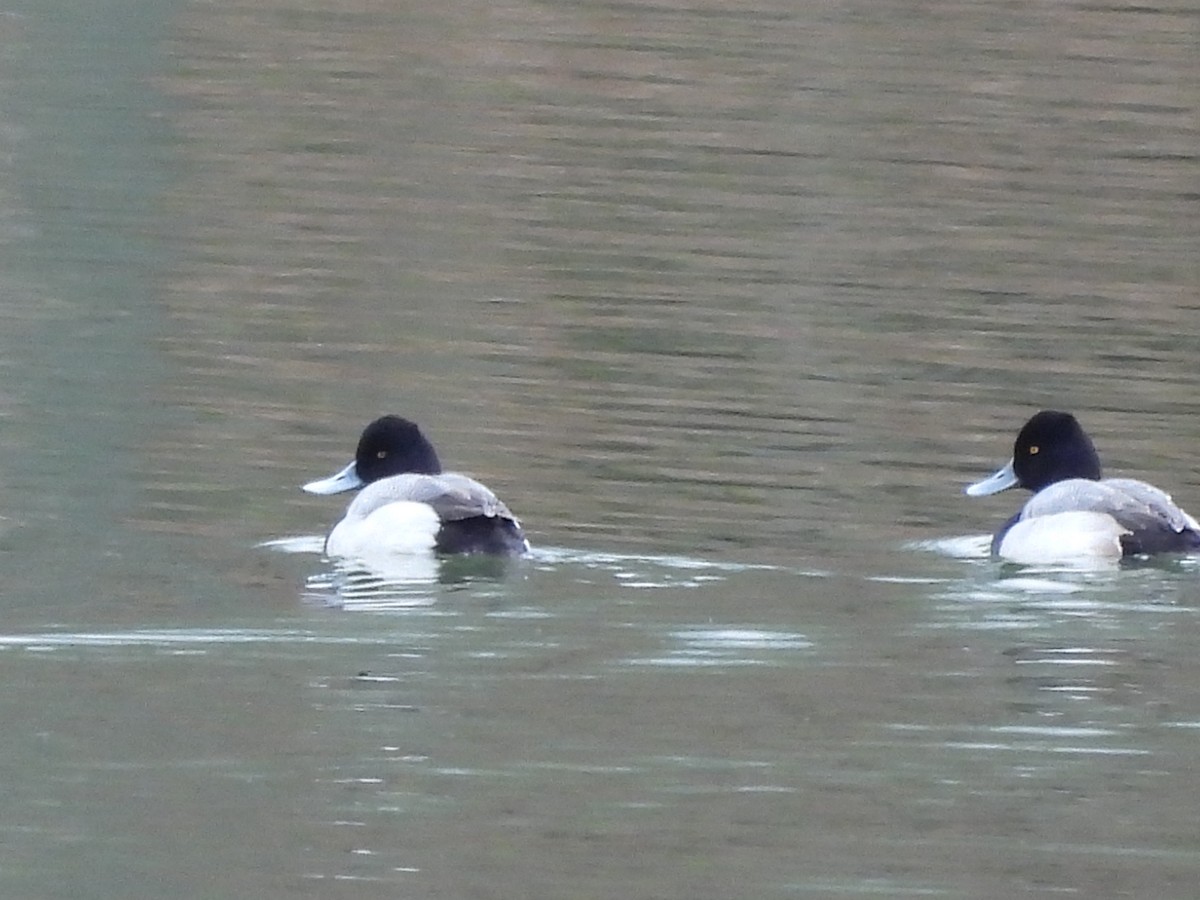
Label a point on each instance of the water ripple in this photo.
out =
(168, 637)
(729, 646)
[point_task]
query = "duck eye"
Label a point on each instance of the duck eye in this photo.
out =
(382, 454)
(1033, 451)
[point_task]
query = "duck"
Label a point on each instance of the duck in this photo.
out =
(408, 504)
(1075, 514)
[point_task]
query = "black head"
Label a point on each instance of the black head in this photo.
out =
(1052, 447)
(391, 446)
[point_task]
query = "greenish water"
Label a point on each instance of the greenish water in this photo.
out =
(728, 304)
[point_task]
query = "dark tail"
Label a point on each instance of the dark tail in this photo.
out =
(482, 534)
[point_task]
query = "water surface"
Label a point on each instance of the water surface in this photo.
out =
(728, 302)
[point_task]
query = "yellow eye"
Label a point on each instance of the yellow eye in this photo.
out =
(1033, 451)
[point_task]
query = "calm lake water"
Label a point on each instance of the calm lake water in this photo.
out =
(728, 301)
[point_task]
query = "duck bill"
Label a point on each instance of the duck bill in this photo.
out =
(994, 484)
(345, 480)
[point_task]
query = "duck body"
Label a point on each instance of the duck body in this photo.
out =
(407, 504)
(1074, 514)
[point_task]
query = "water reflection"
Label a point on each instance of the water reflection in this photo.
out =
(1071, 605)
(633, 570)
(399, 581)
(730, 646)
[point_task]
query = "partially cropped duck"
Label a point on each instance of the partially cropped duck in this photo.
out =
(408, 504)
(1074, 514)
